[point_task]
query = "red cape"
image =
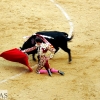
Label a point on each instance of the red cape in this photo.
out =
(15, 55)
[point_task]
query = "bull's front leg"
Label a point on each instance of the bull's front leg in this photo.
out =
(33, 55)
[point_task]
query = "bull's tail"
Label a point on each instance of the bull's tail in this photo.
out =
(69, 38)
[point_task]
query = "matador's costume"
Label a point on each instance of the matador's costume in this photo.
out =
(42, 59)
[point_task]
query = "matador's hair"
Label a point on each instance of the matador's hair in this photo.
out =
(38, 40)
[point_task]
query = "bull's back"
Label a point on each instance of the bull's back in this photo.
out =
(60, 38)
(54, 34)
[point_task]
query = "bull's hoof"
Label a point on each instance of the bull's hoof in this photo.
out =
(70, 62)
(34, 59)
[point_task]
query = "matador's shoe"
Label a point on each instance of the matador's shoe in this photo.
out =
(60, 72)
(49, 72)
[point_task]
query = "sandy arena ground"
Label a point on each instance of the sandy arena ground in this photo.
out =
(81, 81)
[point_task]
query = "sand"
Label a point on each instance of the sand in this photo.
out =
(81, 81)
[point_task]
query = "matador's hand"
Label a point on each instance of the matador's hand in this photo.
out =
(51, 56)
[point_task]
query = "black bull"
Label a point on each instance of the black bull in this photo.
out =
(57, 39)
